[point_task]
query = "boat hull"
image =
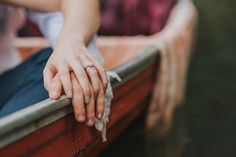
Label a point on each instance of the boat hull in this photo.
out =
(65, 137)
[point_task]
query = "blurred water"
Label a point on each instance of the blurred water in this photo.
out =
(206, 125)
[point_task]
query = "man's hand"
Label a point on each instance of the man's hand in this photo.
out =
(82, 111)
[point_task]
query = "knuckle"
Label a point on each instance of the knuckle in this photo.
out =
(96, 89)
(76, 89)
(65, 79)
(79, 99)
(80, 110)
(63, 73)
(79, 96)
(101, 101)
(55, 63)
(94, 71)
(90, 108)
(103, 70)
(87, 92)
(91, 114)
(78, 107)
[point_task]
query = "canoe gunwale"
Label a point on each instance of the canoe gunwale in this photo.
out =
(37, 116)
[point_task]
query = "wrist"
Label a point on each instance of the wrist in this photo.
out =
(76, 36)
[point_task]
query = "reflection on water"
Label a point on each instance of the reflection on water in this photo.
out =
(192, 134)
(170, 145)
(136, 142)
(206, 126)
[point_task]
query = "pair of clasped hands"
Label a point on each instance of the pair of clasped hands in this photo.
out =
(72, 69)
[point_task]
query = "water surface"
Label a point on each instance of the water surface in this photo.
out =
(206, 124)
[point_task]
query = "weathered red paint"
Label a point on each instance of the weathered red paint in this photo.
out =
(66, 137)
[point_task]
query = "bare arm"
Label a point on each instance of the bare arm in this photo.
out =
(81, 16)
(88, 16)
(41, 5)
(71, 56)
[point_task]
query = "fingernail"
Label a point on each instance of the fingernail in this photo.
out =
(90, 122)
(69, 93)
(86, 99)
(99, 115)
(81, 118)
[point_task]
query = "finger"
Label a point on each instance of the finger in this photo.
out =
(92, 74)
(101, 71)
(82, 77)
(94, 79)
(55, 88)
(66, 80)
(100, 102)
(48, 73)
(78, 99)
(90, 111)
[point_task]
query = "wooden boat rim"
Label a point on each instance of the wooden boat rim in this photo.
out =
(32, 118)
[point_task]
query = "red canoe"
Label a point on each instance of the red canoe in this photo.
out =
(49, 127)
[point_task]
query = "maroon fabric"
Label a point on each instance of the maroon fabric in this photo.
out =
(126, 17)
(133, 17)
(29, 30)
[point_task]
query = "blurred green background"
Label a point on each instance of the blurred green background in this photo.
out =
(210, 109)
(206, 125)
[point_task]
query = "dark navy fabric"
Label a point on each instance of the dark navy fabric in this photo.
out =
(23, 85)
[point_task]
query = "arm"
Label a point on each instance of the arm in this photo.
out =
(87, 11)
(40, 5)
(81, 21)
(71, 56)
(81, 16)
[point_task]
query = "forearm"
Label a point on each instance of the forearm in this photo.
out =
(81, 16)
(40, 5)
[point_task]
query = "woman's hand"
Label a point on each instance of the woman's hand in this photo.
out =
(72, 57)
(71, 54)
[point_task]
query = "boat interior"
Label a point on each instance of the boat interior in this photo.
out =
(114, 50)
